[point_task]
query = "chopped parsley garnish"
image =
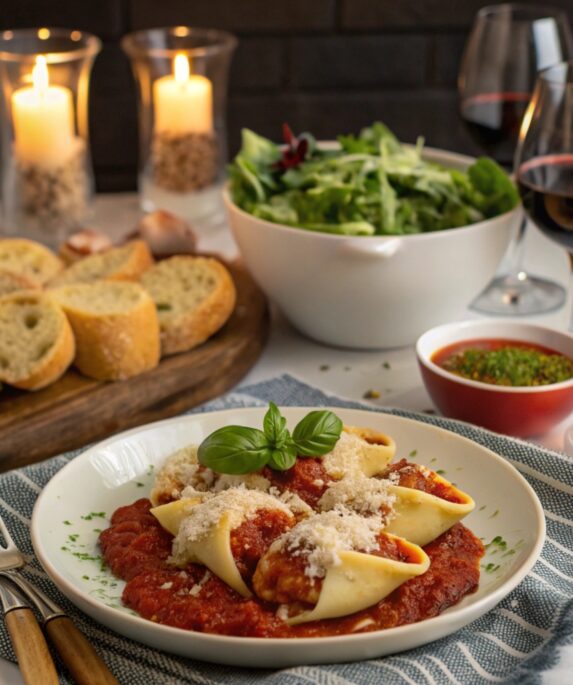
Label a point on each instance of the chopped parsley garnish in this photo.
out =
(93, 515)
(491, 567)
(515, 366)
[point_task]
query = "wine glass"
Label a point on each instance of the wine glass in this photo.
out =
(508, 45)
(544, 157)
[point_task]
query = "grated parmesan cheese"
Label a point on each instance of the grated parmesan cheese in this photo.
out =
(295, 503)
(196, 589)
(252, 481)
(181, 470)
(282, 612)
(321, 537)
(360, 494)
(342, 460)
(238, 503)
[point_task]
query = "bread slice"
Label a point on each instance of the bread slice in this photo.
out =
(11, 283)
(194, 297)
(36, 340)
(115, 325)
(125, 263)
(29, 259)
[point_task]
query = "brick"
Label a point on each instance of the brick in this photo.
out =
(432, 113)
(113, 111)
(259, 63)
(447, 52)
(113, 180)
(367, 15)
(358, 61)
(111, 72)
(104, 18)
(279, 16)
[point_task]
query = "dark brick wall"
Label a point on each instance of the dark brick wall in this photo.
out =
(328, 66)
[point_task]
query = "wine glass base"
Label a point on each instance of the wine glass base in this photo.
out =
(522, 296)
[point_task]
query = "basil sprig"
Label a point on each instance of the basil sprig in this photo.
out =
(239, 449)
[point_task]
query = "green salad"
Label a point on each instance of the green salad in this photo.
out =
(371, 185)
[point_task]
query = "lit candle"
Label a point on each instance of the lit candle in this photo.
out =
(183, 102)
(43, 117)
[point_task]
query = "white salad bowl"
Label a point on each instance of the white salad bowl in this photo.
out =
(372, 292)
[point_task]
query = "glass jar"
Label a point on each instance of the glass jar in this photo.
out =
(182, 76)
(46, 172)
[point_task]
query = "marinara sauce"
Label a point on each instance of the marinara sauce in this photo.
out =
(137, 549)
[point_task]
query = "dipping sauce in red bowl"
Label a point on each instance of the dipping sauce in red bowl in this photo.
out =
(518, 410)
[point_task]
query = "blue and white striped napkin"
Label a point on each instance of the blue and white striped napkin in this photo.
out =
(513, 643)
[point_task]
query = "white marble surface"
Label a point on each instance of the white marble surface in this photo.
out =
(392, 373)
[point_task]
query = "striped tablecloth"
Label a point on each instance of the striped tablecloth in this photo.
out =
(516, 642)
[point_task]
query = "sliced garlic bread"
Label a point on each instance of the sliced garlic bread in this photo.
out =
(12, 283)
(29, 259)
(36, 341)
(125, 263)
(115, 326)
(194, 297)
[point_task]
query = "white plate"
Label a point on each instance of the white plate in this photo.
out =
(120, 470)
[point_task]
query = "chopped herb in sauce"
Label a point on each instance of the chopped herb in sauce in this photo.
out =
(516, 365)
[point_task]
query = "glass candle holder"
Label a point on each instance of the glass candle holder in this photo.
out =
(46, 172)
(182, 76)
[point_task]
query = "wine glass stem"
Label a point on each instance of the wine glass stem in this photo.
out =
(517, 251)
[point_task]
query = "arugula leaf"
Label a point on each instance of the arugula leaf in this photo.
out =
(235, 450)
(317, 433)
(499, 194)
(371, 185)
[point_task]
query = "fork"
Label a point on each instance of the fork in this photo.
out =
(31, 648)
(81, 659)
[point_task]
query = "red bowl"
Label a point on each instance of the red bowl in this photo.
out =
(519, 411)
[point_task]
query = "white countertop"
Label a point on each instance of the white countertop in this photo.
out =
(350, 374)
(344, 372)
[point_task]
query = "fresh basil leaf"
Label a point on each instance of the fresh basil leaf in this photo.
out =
(235, 450)
(283, 459)
(274, 426)
(317, 433)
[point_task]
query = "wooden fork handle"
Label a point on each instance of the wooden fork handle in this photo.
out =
(31, 649)
(81, 659)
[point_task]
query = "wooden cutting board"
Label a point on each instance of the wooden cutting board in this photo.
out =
(77, 410)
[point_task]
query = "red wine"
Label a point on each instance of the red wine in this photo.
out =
(546, 188)
(493, 121)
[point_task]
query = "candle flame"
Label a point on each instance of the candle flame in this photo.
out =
(40, 77)
(181, 68)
